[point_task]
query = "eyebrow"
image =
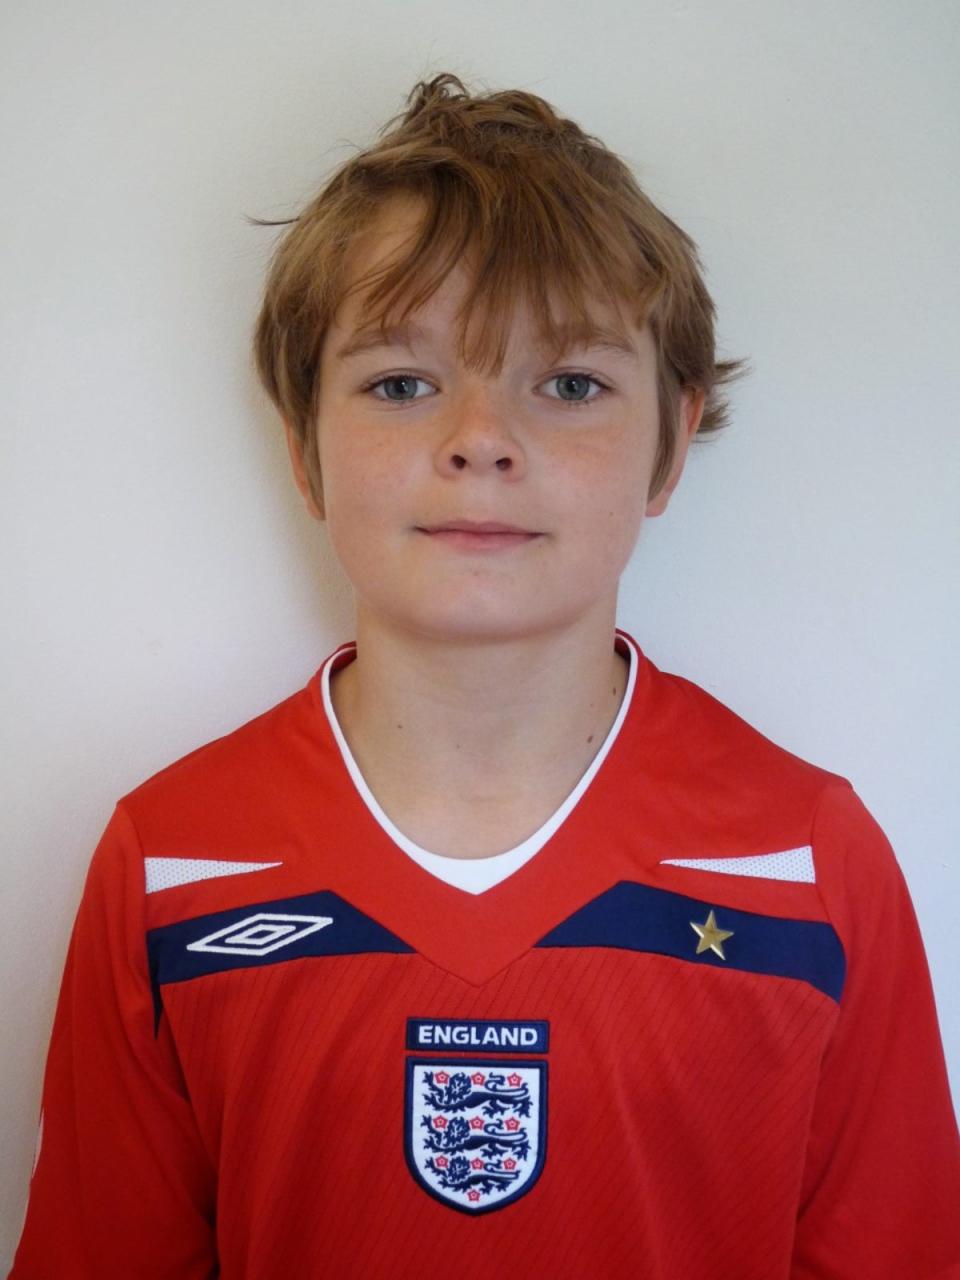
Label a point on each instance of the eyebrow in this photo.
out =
(575, 337)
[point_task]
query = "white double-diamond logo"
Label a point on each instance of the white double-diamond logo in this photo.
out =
(257, 935)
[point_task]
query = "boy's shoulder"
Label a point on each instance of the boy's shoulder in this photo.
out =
(225, 781)
(733, 811)
(689, 737)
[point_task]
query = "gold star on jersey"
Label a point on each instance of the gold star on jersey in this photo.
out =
(711, 937)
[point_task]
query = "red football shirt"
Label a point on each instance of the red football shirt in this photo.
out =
(694, 1035)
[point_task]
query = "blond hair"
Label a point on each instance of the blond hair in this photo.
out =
(533, 201)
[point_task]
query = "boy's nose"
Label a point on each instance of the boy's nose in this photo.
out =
(480, 433)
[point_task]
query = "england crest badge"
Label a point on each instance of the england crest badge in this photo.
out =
(475, 1130)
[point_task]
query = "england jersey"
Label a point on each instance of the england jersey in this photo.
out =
(686, 1029)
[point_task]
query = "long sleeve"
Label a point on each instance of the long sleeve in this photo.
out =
(122, 1185)
(881, 1191)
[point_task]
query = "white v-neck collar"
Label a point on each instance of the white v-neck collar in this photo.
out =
(476, 875)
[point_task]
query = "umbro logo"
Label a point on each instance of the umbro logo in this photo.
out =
(259, 934)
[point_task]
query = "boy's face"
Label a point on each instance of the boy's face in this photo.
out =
(540, 447)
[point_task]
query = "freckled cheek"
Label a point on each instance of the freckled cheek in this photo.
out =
(616, 527)
(366, 490)
(608, 503)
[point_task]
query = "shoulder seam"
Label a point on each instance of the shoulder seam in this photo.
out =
(835, 780)
(122, 808)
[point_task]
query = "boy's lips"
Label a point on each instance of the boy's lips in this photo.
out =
(472, 535)
(473, 526)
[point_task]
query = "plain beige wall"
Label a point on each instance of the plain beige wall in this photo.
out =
(163, 584)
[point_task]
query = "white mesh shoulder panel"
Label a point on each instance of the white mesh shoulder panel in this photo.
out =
(164, 873)
(788, 864)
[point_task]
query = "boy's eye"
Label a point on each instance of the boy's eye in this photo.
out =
(574, 387)
(404, 382)
(575, 381)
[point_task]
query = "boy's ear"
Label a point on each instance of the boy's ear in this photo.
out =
(300, 471)
(691, 411)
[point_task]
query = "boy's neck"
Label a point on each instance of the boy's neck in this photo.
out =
(495, 733)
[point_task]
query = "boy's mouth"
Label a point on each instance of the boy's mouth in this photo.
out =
(474, 526)
(470, 535)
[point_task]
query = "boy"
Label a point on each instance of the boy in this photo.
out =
(494, 950)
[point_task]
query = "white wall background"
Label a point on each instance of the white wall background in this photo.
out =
(161, 583)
